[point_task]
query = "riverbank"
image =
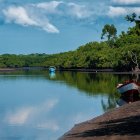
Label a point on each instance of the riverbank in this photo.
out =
(122, 123)
(7, 69)
(23, 68)
(64, 69)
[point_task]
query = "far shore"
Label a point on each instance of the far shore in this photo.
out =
(69, 69)
(6, 69)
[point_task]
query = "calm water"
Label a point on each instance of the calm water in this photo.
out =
(35, 105)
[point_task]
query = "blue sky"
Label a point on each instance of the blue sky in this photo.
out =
(53, 26)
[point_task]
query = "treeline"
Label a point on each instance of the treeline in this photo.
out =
(18, 61)
(119, 53)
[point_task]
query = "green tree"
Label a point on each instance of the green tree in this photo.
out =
(131, 17)
(109, 31)
(136, 19)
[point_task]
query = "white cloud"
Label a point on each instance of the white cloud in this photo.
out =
(18, 15)
(116, 11)
(122, 11)
(135, 10)
(49, 6)
(65, 8)
(126, 1)
(80, 11)
(22, 16)
(43, 14)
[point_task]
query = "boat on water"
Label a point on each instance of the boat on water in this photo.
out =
(129, 87)
(129, 91)
(52, 69)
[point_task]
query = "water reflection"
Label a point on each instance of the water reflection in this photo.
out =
(93, 84)
(127, 99)
(90, 83)
(52, 75)
(110, 103)
(28, 114)
(37, 105)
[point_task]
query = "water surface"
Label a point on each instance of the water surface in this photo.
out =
(37, 105)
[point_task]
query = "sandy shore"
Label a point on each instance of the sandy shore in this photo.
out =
(122, 123)
(6, 69)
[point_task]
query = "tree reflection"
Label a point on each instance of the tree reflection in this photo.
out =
(111, 103)
(93, 84)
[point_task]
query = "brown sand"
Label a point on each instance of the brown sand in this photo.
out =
(122, 123)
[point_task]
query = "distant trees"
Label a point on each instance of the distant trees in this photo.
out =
(17, 61)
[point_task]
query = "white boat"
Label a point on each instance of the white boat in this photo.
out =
(128, 87)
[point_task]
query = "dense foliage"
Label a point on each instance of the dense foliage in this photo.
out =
(120, 53)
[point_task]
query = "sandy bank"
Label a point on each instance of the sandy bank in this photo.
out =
(6, 69)
(122, 123)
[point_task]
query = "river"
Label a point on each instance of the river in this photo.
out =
(37, 105)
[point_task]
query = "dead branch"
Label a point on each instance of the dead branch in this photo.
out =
(134, 58)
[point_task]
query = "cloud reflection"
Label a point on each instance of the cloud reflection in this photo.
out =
(51, 125)
(19, 117)
(81, 117)
(33, 115)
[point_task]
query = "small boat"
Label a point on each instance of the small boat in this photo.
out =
(129, 87)
(52, 69)
(129, 91)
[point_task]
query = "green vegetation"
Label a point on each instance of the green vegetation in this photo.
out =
(118, 53)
